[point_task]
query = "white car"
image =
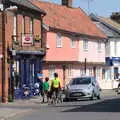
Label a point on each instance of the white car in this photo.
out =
(83, 87)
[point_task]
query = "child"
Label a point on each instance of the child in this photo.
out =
(46, 87)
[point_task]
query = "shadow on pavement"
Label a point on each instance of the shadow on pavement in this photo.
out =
(111, 105)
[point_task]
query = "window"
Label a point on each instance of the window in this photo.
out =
(59, 40)
(31, 25)
(14, 26)
(82, 80)
(51, 71)
(98, 72)
(99, 46)
(69, 70)
(115, 48)
(90, 71)
(23, 24)
(108, 74)
(85, 44)
(73, 43)
(103, 73)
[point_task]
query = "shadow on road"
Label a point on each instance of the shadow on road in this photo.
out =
(111, 105)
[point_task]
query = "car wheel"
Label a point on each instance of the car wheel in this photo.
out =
(98, 97)
(118, 90)
(92, 97)
(66, 100)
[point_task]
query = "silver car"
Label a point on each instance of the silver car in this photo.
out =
(86, 87)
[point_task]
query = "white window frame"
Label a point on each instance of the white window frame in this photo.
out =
(69, 70)
(15, 26)
(73, 43)
(31, 25)
(51, 71)
(115, 48)
(23, 24)
(85, 44)
(59, 42)
(99, 46)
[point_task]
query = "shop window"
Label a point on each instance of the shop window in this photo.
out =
(69, 70)
(116, 74)
(103, 73)
(51, 71)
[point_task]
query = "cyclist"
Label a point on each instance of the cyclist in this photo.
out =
(55, 86)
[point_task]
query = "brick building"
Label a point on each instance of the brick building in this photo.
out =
(25, 46)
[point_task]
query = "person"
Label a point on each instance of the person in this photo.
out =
(46, 87)
(40, 81)
(55, 85)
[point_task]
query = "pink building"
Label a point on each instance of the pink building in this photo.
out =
(71, 39)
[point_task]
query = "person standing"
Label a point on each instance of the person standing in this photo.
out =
(46, 87)
(55, 85)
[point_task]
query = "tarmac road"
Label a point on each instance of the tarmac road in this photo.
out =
(108, 108)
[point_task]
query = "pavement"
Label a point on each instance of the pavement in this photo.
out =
(17, 107)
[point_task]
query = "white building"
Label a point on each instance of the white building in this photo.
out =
(112, 68)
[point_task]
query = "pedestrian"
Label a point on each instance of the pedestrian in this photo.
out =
(40, 81)
(55, 86)
(46, 88)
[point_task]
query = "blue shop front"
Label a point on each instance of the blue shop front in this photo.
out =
(25, 68)
(113, 65)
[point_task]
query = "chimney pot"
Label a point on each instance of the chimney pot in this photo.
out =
(67, 3)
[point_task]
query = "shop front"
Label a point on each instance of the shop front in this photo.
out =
(114, 70)
(25, 67)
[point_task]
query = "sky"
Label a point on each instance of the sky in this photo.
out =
(98, 7)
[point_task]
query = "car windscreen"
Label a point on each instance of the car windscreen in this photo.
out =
(77, 81)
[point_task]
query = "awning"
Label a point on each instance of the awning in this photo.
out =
(14, 52)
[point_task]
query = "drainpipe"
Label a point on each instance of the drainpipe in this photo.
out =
(85, 66)
(4, 61)
(64, 77)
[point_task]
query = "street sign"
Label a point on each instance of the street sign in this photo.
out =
(40, 75)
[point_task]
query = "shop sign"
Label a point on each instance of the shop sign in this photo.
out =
(27, 40)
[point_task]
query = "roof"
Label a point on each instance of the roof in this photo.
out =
(107, 25)
(69, 19)
(24, 3)
(111, 22)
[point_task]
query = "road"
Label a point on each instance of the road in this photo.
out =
(108, 108)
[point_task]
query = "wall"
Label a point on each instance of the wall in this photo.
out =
(0, 54)
(58, 69)
(66, 53)
(92, 55)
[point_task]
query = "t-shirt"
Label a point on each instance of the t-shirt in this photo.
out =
(46, 86)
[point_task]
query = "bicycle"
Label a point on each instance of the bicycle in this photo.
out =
(58, 98)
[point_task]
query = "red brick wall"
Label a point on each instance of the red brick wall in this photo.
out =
(8, 37)
(37, 27)
(27, 25)
(0, 54)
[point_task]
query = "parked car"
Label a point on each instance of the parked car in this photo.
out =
(83, 87)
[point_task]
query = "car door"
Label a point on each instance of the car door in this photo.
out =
(95, 86)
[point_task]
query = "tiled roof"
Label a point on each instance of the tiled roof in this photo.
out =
(68, 19)
(106, 25)
(26, 3)
(111, 22)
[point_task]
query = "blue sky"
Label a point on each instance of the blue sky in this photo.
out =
(99, 7)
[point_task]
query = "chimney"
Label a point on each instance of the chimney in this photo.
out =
(67, 3)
